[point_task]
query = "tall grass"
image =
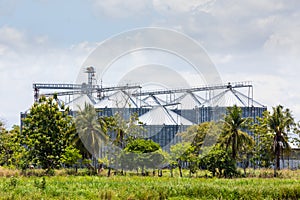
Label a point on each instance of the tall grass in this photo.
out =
(134, 187)
(5, 172)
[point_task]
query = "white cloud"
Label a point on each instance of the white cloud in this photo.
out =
(271, 90)
(247, 40)
(11, 34)
(133, 8)
(12, 38)
(177, 6)
(232, 25)
(285, 42)
(25, 59)
(120, 8)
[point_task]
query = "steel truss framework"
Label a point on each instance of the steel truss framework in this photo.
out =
(100, 91)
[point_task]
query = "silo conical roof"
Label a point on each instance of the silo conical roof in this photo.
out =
(231, 97)
(119, 99)
(162, 116)
(80, 101)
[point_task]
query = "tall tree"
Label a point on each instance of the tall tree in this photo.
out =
(202, 135)
(5, 145)
(71, 156)
(296, 136)
(142, 153)
(2, 126)
(263, 154)
(11, 152)
(218, 162)
(280, 123)
(233, 135)
(47, 131)
(125, 130)
(90, 130)
(179, 154)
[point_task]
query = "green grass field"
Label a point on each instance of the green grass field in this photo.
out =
(136, 187)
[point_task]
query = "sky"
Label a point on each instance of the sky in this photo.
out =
(48, 40)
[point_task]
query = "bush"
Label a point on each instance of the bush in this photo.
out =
(219, 163)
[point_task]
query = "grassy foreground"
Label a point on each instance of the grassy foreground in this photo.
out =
(134, 187)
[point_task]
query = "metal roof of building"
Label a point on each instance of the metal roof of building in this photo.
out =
(188, 101)
(120, 99)
(80, 101)
(231, 97)
(162, 116)
(153, 100)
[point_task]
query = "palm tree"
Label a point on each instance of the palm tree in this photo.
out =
(90, 130)
(280, 123)
(233, 135)
(125, 130)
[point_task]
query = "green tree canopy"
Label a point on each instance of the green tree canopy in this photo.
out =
(125, 130)
(203, 135)
(263, 154)
(71, 155)
(142, 146)
(180, 153)
(233, 136)
(219, 163)
(142, 153)
(91, 131)
(279, 123)
(47, 131)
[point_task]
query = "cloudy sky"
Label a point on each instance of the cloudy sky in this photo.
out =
(48, 40)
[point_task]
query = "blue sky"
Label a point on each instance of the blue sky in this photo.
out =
(47, 41)
(64, 22)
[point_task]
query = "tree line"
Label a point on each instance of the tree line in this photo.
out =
(52, 139)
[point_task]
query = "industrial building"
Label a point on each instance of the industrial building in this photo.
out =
(164, 112)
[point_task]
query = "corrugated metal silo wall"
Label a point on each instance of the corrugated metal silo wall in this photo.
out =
(204, 114)
(165, 135)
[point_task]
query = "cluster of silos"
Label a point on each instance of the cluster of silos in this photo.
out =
(163, 116)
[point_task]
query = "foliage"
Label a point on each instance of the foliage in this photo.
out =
(232, 135)
(142, 146)
(207, 138)
(192, 159)
(295, 136)
(40, 184)
(71, 156)
(279, 123)
(206, 133)
(141, 153)
(124, 130)
(202, 137)
(11, 152)
(180, 153)
(91, 132)
(93, 187)
(47, 131)
(49, 136)
(219, 163)
(263, 154)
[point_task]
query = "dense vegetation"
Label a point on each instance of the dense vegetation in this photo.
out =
(121, 187)
(51, 139)
(52, 143)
